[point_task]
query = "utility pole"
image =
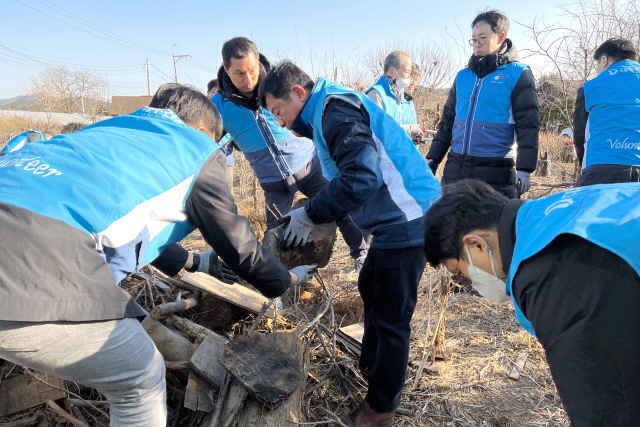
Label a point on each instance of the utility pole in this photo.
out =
(148, 67)
(175, 61)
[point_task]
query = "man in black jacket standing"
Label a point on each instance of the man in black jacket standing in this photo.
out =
(491, 101)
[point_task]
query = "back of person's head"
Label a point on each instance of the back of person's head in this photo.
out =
(212, 83)
(498, 21)
(238, 47)
(191, 105)
(465, 206)
(415, 70)
(616, 48)
(72, 127)
(395, 59)
(280, 79)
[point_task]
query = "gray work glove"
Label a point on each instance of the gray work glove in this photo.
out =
(304, 273)
(299, 228)
(214, 266)
(523, 182)
(433, 165)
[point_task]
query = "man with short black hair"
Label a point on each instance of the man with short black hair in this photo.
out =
(492, 104)
(607, 117)
(282, 161)
(379, 177)
(81, 212)
(389, 91)
(570, 265)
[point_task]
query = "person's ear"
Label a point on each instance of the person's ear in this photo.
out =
(475, 241)
(226, 70)
(501, 37)
(299, 92)
(211, 134)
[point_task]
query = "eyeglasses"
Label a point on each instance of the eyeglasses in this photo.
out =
(479, 41)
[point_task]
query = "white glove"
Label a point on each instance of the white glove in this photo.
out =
(413, 130)
(523, 182)
(299, 228)
(304, 273)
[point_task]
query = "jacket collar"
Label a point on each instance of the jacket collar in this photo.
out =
(229, 91)
(507, 232)
(487, 64)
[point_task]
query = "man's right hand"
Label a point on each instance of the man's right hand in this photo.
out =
(298, 229)
(303, 273)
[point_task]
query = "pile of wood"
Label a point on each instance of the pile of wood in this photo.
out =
(242, 380)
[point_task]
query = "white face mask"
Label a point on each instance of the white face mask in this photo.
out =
(401, 83)
(487, 285)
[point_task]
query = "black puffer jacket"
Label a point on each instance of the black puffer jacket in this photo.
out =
(524, 107)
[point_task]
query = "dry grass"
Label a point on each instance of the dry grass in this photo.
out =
(12, 126)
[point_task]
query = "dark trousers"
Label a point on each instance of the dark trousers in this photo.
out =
(498, 172)
(309, 181)
(584, 305)
(388, 284)
(171, 260)
(608, 174)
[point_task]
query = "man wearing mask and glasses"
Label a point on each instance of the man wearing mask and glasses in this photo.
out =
(492, 104)
(569, 263)
(389, 90)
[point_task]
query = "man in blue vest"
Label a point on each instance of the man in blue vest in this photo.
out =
(379, 177)
(282, 161)
(389, 91)
(82, 211)
(20, 140)
(607, 117)
(492, 103)
(570, 265)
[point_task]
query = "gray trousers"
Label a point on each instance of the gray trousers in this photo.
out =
(116, 357)
(309, 181)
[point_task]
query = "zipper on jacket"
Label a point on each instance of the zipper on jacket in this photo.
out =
(270, 141)
(470, 116)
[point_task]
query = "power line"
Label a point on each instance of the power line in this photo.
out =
(155, 51)
(94, 26)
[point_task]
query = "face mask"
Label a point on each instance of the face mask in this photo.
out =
(487, 285)
(401, 83)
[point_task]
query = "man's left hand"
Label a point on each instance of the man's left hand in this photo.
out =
(214, 266)
(523, 182)
(299, 228)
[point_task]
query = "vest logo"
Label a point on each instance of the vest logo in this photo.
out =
(496, 79)
(560, 204)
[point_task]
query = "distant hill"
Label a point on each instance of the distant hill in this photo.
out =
(14, 99)
(22, 103)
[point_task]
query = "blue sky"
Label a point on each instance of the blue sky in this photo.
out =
(126, 33)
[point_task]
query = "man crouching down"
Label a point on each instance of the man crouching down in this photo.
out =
(84, 210)
(381, 180)
(569, 263)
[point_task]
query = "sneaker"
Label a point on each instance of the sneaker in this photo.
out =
(364, 416)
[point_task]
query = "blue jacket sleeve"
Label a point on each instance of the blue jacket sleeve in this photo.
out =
(346, 129)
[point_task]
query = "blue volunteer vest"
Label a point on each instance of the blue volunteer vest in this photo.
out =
(410, 183)
(273, 152)
(18, 141)
(606, 215)
(124, 181)
(409, 114)
(613, 128)
(390, 103)
(484, 124)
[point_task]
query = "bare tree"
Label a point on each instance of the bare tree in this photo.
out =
(568, 47)
(67, 90)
